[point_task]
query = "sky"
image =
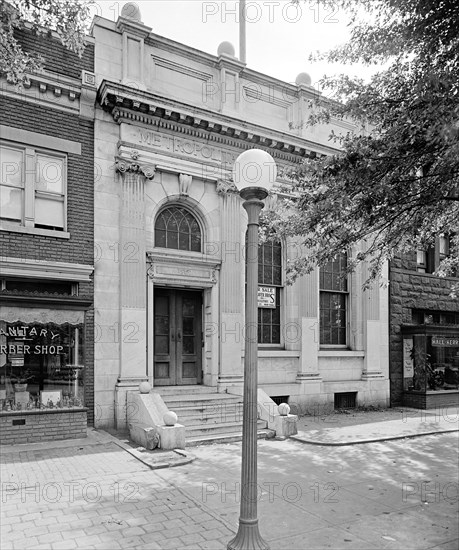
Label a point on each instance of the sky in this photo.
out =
(280, 36)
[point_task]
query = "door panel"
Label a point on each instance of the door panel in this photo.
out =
(189, 341)
(163, 339)
(177, 337)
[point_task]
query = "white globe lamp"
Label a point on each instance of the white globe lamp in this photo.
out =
(254, 169)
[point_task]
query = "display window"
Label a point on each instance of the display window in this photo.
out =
(41, 365)
(431, 360)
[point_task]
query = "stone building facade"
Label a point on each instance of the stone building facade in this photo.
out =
(424, 331)
(47, 245)
(170, 235)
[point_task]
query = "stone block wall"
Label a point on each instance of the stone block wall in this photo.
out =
(411, 290)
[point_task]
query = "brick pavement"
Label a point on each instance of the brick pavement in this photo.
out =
(94, 494)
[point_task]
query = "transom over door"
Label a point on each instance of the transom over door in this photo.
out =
(177, 337)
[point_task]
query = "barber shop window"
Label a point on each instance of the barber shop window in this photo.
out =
(269, 292)
(41, 363)
(178, 229)
(334, 297)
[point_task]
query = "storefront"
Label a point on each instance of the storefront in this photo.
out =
(42, 369)
(430, 365)
(47, 245)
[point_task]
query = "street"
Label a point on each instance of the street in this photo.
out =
(395, 494)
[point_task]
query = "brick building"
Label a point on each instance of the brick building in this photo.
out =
(46, 246)
(424, 331)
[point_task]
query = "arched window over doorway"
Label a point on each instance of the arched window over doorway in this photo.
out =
(177, 228)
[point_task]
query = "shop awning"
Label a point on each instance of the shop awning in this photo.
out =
(41, 316)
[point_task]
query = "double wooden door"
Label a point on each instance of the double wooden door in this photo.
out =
(177, 337)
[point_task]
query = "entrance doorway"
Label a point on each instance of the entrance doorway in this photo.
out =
(177, 337)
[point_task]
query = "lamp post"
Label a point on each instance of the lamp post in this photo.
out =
(254, 174)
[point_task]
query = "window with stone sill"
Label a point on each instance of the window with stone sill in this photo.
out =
(32, 187)
(333, 298)
(428, 317)
(429, 259)
(270, 275)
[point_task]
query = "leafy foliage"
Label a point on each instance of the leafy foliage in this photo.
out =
(395, 185)
(67, 19)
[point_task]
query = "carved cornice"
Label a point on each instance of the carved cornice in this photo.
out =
(56, 91)
(125, 165)
(137, 28)
(128, 105)
(197, 270)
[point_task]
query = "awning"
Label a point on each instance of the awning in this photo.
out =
(41, 316)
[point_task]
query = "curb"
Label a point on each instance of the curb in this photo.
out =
(363, 441)
(175, 457)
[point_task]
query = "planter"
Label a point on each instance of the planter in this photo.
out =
(20, 387)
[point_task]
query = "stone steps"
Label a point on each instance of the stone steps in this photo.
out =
(184, 390)
(216, 401)
(208, 417)
(220, 428)
(263, 433)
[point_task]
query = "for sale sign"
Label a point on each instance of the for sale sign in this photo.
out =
(267, 296)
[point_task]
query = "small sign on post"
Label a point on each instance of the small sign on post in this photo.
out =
(267, 297)
(408, 364)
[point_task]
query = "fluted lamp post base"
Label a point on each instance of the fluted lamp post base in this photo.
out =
(248, 537)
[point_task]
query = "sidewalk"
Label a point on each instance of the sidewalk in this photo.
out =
(407, 425)
(100, 492)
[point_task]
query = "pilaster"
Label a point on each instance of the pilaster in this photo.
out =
(231, 92)
(372, 329)
(231, 326)
(132, 270)
(310, 335)
(134, 33)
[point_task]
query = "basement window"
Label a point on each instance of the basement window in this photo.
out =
(278, 399)
(345, 400)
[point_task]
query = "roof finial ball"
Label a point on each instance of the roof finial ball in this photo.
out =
(131, 11)
(226, 48)
(303, 79)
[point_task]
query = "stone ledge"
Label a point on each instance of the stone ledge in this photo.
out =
(42, 411)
